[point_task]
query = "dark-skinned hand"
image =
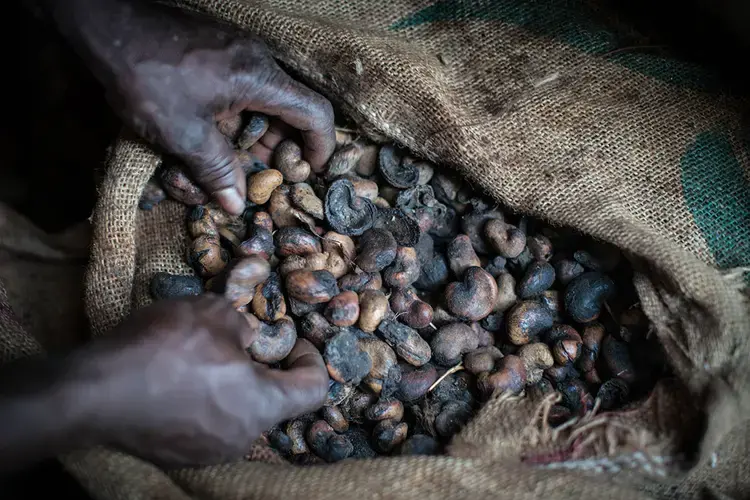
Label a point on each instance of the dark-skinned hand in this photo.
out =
(171, 77)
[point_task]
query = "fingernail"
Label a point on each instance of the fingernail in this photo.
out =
(231, 200)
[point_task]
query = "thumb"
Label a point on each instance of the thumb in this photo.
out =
(216, 167)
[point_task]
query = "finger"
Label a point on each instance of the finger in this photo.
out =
(303, 109)
(214, 164)
(242, 329)
(302, 387)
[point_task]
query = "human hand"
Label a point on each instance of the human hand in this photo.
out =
(181, 389)
(172, 77)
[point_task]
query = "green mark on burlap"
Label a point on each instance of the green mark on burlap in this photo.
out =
(570, 23)
(717, 193)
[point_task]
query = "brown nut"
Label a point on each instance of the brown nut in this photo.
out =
(482, 360)
(200, 223)
(474, 297)
(296, 432)
(303, 197)
(373, 308)
(361, 281)
(485, 337)
(461, 255)
(388, 434)
(386, 409)
(333, 416)
(335, 264)
(451, 342)
(343, 138)
(343, 309)
(345, 159)
(268, 302)
(585, 295)
(230, 127)
(368, 161)
(258, 244)
(536, 358)
(283, 213)
(506, 292)
(404, 270)
(346, 362)
(452, 417)
(575, 396)
(540, 247)
(312, 287)
(384, 363)
(296, 241)
(410, 309)
(408, 344)
(539, 276)
(617, 358)
(415, 381)
(334, 242)
(315, 328)
(363, 188)
(566, 343)
(287, 159)
(510, 375)
(377, 249)
(262, 219)
(207, 256)
(326, 444)
(274, 342)
(527, 320)
(314, 262)
(180, 187)
(346, 212)
(261, 185)
(504, 238)
(592, 337)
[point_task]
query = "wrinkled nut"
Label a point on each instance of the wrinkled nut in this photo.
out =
(333, 416)
(256, 127)
(505, 239)
(474, 297)
(388, 434)
(361, 442)
(506, 292)
(200, 223)
(338, 393)
(345, 160)
(407, 343)
(536, 358)
(373, 306)
(346, 212)
(207, 256)
(377, 249)
(268, 302)
(241, 278)
(275, 341)
(334, 242)
(575, 396)
(526, 320)
(415, 381)
(482, 360)
(384, 363)
(425, 169)
(312, 287)
(539, 276)
(258, 244)
(169, 286)
(287, 159)
(566, 270)
(617, 358)
(404, 229)
(560, 373)
(296, 241)
(394, 170)
(592, 337)
(452, 418)
(230, 127)
(565, 342)
(451, 342)
(296, 432)
(540, 247)
(510, 376)
(585, 295)
(420, 445)
(303, 197)
(410, 309)
(404, 270)
(343, 309)
(612, 394)
(345, 361)
(261, 185)
(326, 444)
(361, 281)
(364, 188)
(461, 255)
(315, 328)
(180, 187)
(386, 409)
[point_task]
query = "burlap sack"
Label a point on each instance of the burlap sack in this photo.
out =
(539, 104)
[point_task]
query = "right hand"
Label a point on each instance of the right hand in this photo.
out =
(181, 389)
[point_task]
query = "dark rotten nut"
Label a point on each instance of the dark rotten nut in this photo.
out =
(415, 381)
(482, 360)
(403, 228)
(494, 322)
(510, 376)
(575, 396)
(180, 187)
(361, 281)
(343, 309)
(386, 409)
(296, 241)
(373, 306)
(526, 320)
(326, 444)
(377, 249)
(333, 416)
(404, 270)
(200, 223)
(612, 394)
(560, 373)
(295, 429)
(452, 418)
(565, 342)
(268, 302)
(451, 342)
(312, 287)
(474, 297)
(207, 256)
(566, 270)
(361, 442)
(539, 390)
(357, 405)
(445, 187)
(275, 341)
(540, 247)
(241, 278)
(585, 295)
(345, 361)
(169, 286)
(256, 127)
(303, 197)
(551, 300)
(461, 255)
(287, 159)
(617, 358)
(504, 238)
(410, 309)
(338, 393)
(539, 276)
(420, 203)
(474, 222)
(396, 172)
(406, 342)
(259, 243)
(420, 444)
(435, 273)
(536, 358)
(388, 434)
(347, 213)
(345, 159)
(315, 328)
(280, 441)
(425, 169)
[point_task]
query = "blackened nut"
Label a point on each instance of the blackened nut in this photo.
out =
(346, 212)
(558, 374)
(540, 247)
(482, 360)
(474, 297)
(343, 309)
(296, 241)
(256, 127)
(388, 434)
(168, 286)
(274, 342)
(617, 358)
(612, 393)
(312, 287)
(373, 308)
(386, 409)
(473, 224)
(404, 228)
(287, 159)
(452, 417)
(268, 302)
(410, 309)
(566, 270)
(207, 256)
(295, 429)
(552, 301)
(333, 416)
(259, 243)
(416, 381)
(575, 396)
(315, 328)
(345, 361)
(451, 342)
(461, 255)
(510, 376)
(526, 320)
(407, 343)
(404, 270)
(394, 170)
(539, 276)
(504, 238)
(326, 444)
(585, 295)
(377, 249)
(420, 445)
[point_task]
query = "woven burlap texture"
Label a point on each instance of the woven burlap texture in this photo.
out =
(546, 128)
